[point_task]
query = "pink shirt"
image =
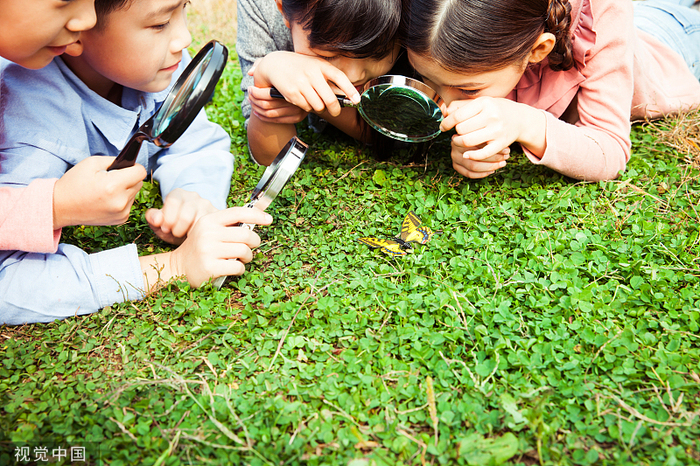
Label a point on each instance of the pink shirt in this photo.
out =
(621, 74)
(26, 218)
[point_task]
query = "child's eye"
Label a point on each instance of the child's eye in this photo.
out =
(160, 27)
(469, 92)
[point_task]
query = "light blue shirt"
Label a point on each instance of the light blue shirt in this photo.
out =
(49, 121)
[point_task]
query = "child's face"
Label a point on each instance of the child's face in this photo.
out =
(358, 70)
(139, 46)
(34, 32)
(464, 86)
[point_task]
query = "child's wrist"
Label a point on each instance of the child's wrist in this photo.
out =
(533, 134)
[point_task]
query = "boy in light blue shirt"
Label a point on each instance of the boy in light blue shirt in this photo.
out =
(88, 102)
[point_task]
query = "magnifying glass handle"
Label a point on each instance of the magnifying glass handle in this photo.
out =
(342, 100)
(218, 282)
(127, 157)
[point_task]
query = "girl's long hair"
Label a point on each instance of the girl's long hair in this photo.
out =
(485, 35)
(358, 28)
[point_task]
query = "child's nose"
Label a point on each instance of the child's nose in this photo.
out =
(84, 17)
(354, 70)
(182, 39)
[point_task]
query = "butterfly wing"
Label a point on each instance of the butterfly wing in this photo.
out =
(387, 246)
(413, 231)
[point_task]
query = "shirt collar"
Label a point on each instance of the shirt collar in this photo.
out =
(116, 123)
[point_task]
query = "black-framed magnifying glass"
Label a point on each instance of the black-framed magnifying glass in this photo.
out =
(181, 106)
(273, 181)
(397, 106)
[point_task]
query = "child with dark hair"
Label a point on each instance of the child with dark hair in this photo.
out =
(561, 77)
(311, 50)
(88, 102)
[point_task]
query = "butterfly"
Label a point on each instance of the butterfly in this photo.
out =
(412, 231)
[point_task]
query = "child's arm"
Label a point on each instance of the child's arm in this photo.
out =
(30, 291)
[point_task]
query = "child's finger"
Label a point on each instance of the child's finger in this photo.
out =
(128, 177)
(251, 71)
(228, 267)
(234, 215)
(154, 217)
(470, 174)
(328, 98)
(235, 251)
(460, 115)
(263, 94)
(480, 167)
(341, 81)
(476, 169)
(314, 93)
(181, 224)
(281, 117)
(486, 152)
(272, 110)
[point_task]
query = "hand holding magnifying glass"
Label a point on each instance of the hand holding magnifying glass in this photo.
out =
(397, 106)
(273, 181)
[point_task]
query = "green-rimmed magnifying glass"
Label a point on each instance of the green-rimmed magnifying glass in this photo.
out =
(397, 106)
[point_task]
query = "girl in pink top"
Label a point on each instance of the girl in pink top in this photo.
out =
(563, 78)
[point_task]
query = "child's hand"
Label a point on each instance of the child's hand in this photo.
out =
(477, 168)
(273, 110)
(307, 82)
(181, 210)
(88, 194)
(215, 248)
(485, 127)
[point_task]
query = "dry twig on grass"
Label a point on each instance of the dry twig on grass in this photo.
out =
(682, 132)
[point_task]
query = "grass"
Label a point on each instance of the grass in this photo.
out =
(548, 322)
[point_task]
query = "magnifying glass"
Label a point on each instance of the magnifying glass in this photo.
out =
(397, 106)
(183, 103)
(273, 181)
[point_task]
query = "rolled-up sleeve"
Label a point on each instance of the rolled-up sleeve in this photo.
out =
(45, 287)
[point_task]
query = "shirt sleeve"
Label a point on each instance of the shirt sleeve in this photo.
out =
(45, 287)
(26, 218)
(261, 30)
(199, 161)
(597, 146)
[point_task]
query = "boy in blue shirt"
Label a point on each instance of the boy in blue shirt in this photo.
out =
(88, 102)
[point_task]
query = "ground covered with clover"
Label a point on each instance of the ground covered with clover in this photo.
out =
(547, 321)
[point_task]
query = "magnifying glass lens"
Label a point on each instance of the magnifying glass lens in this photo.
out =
(183, 96)
(400, 112)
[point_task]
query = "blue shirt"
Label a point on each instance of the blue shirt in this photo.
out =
(50, 120)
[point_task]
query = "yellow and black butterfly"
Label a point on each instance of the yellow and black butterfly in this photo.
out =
(412, 231)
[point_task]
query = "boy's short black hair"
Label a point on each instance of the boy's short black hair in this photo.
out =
(358, 28)
(105, 7)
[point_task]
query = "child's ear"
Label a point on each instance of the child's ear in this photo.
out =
(75, 49)
(279, 7)
(543, 45)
